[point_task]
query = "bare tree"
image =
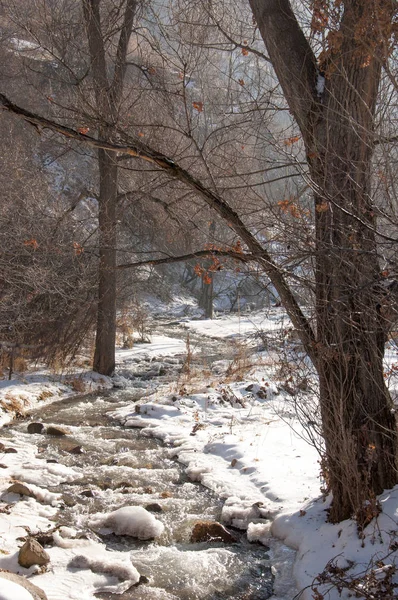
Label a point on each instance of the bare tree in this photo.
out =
(333, 101)
(108, 96)
(335, 111)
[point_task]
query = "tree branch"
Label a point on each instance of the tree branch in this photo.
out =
(225, 211)
(121, 54)
(242, 257)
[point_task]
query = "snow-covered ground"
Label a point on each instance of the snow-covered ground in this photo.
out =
(238, 435)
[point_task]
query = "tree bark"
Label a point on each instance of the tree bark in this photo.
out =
(108, 96)
(337, 125)
(104, 355)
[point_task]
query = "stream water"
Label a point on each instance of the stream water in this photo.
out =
(120, 467)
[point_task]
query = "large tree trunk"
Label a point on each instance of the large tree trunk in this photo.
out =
(358, 421)
(104, 356)
(337, 126)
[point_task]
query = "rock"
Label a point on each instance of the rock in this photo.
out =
(52, 461)
(10, 451)
(210, 531)
(20, 488)
(56, 431)
(32, 553)
(154, 507)
(68, 500)
(166, 494)
(142, 579)
(87, 494)
(2, 447)
(35, 592)
(75, 450)
(3, 466)
(35, 428)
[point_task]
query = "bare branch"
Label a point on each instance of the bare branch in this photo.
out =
(225, 211)
(242, 257)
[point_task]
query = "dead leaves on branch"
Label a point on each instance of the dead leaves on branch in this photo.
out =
(371, 28)
(291, 207)
(213, 264)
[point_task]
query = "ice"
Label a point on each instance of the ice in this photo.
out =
(134, 521)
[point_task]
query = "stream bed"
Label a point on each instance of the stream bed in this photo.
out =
(120, 467)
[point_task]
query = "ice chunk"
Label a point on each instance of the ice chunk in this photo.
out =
(131, 520)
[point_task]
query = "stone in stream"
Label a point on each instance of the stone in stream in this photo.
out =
(75, 450)
(32, 553)
(210, 531)
(87, 494)
(35, 428)
(10, 451)
(56, 431)
(154, 507)
(34, 591)
(20, 488)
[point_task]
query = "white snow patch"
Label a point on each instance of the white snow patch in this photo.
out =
(115, 567)
(134, 521)
(9, 590)
(320, 84)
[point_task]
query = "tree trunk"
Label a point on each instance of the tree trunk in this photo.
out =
(104, 356)
(357, 412)
(206, 297)
(337, 125)
(108, 96)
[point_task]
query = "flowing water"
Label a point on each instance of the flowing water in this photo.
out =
(119, 467)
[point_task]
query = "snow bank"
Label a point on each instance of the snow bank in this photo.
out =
(134, 521)
(319, 542)
(12, 591)
(111, 566)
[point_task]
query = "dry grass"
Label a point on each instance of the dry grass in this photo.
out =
(13, 404)
(77, 384)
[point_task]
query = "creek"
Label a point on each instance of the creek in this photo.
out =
(120, 467)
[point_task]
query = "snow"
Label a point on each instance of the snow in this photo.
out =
(24, 392)
(239, 437)
(130, 520)
(160, 346)
(114, 567)
(320, 85)
(12, 591)
(240, 325)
